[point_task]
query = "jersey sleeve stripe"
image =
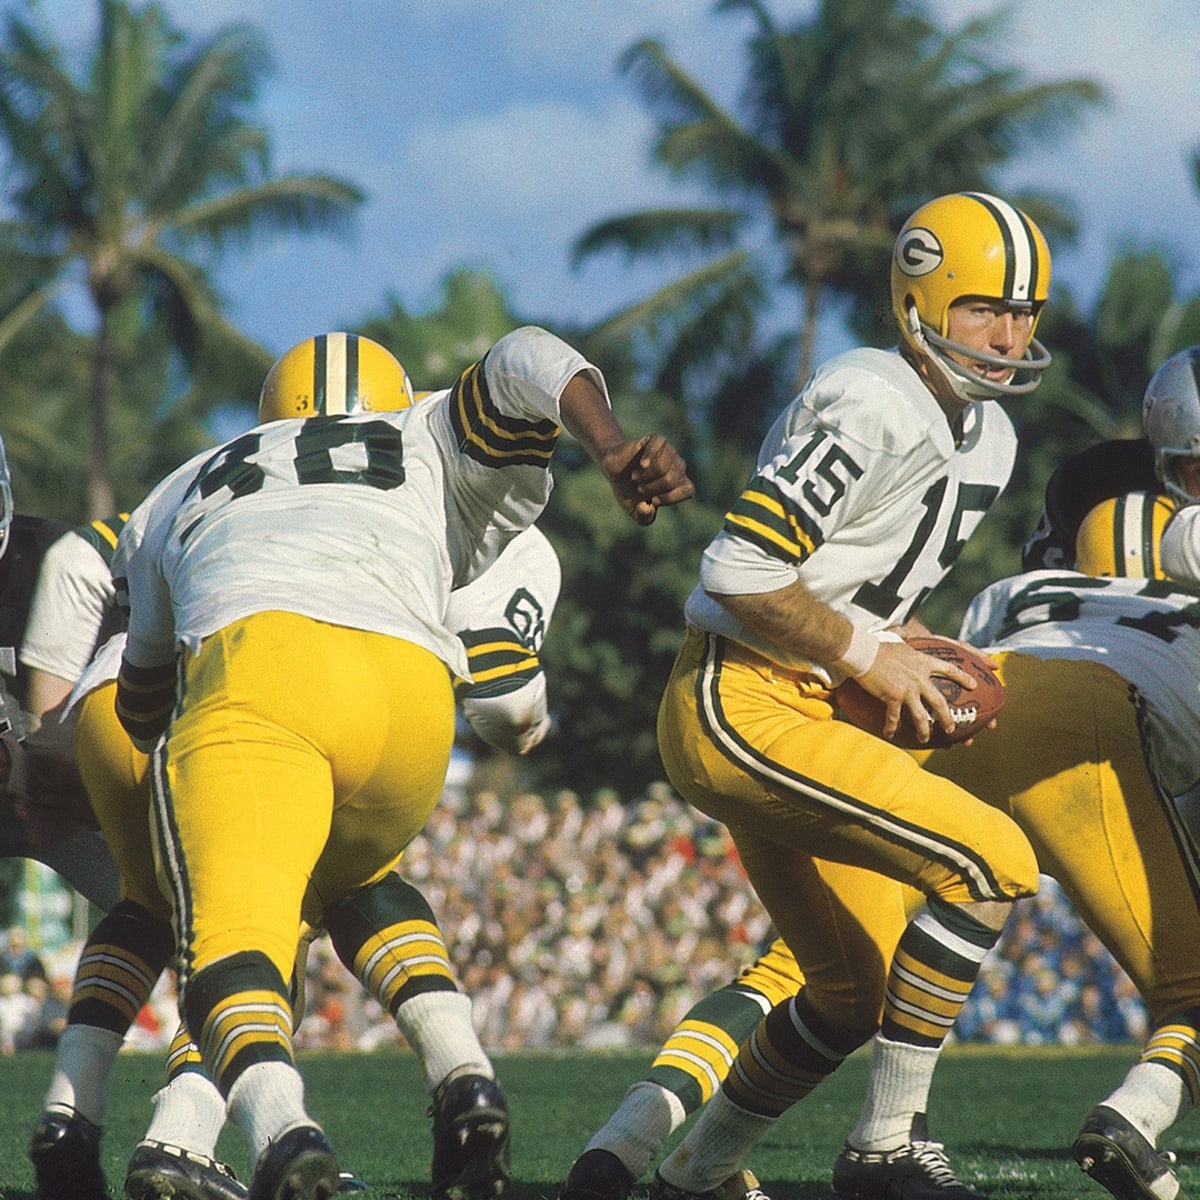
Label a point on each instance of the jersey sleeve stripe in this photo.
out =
(766, 517)
(498, 663)
(491, 437)
(102, 534)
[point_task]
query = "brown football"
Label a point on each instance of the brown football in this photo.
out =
(973, 708)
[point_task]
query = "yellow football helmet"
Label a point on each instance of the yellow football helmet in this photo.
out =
(969, 244)
(333, 374)
(1121, 536)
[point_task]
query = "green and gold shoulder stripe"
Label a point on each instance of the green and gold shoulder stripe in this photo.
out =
(499, 663)
(491, 437)
(764, 515)
(102, 534)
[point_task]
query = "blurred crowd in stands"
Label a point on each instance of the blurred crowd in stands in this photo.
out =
(598, 926)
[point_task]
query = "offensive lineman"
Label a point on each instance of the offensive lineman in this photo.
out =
(867, 487)
(501, 619)
(396, 509)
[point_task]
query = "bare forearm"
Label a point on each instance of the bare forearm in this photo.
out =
(645, 473)
(793, 620)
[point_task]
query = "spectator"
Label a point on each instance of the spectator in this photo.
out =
(19, 958)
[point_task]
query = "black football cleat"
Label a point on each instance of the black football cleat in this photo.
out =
(470, 1139)
(65, 1151)
(162, 1171)
(597, 1175)
(741, 1185)
(1119, 1158)
(301, 1165)
(918, 1170)
(350, 1184)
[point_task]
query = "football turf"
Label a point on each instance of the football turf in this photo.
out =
(1007, 1117)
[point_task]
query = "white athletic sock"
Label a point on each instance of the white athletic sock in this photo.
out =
(1151, 1098)
(267, 1100)
(439, 1028)
(715, 1146)
(898, 1089)
(82, 1065)
(188, 1112)
(639, 1128)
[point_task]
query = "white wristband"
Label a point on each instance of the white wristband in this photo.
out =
(860, 654)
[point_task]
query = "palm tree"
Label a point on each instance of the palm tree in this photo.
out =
(121, 176)
(852, 118)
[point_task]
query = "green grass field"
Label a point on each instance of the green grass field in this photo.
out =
(1007, 1118)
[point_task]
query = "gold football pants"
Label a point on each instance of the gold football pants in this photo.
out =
(1066, 761)
(831, 823)
(115, 774)
(302, 756)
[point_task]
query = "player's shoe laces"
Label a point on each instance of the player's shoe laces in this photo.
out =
(597, 1175)
(470, 1139)
(300, 1165)
(65, 1151)
(741, 1185)
(1119, 1158)
(918, 1170)
(161, 1171)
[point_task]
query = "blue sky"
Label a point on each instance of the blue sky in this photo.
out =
(491, 133)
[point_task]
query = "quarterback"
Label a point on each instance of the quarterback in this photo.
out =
(867, 487)
(301, 575)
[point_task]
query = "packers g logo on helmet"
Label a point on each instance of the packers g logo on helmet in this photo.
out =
(969, 244)
(919, 252)
(334, 374)
(1120, 537)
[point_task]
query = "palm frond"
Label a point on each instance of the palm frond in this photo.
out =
(657, 231)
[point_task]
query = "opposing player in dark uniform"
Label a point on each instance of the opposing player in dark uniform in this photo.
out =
(1165, 461)
(44, 811)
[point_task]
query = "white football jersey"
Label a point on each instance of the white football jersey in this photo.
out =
(1180, 550)
(367, 521)
(1147, 631)
(71, 603)
(501, 618)
(861, 493)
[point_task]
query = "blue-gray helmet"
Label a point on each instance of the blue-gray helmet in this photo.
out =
(1171, 417)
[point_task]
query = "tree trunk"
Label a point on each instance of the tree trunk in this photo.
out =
(808, 332)
(100, 500)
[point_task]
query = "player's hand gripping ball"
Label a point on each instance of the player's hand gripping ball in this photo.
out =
(973, 708)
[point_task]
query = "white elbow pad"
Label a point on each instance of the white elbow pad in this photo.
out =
(515, 721)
